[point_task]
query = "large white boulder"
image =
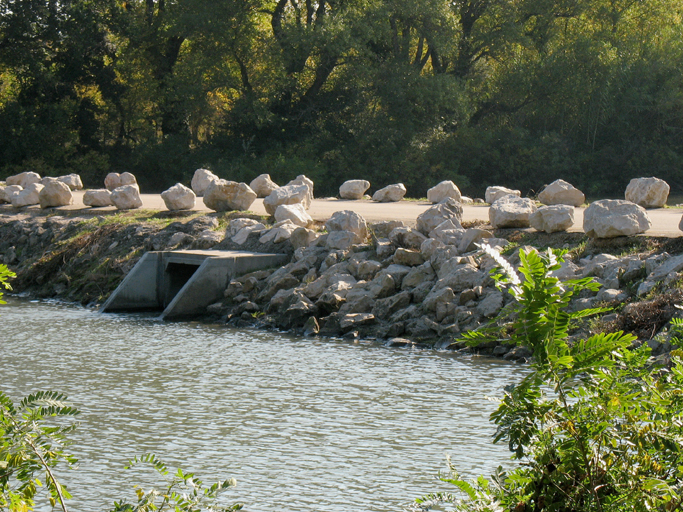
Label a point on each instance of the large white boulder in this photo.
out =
(179, 197)
(54, 194)
(303, 237)
(97, 198)
(115, 180)
(342, 240)
(280, 232)
(449, 209)
(647, 192)
(201, 180)
(23, 179)
(237, 225)
(224, 195)
(7, 192)
(614, 217)
(494, 193)
(126, 197)
(263, 185)
(353, 189)
(442, 191)
(511, 212)
(27, 196)
(295, 213)
(243, 234)
(348, 220)
(561, 192)
(446, 230)
(301, 179)
(112, 181)
(289, 194)
(127, 178)
(471, 238)
(551, 219)
(390, 193)
(73, 181)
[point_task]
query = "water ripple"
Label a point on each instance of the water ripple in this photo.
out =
(306, 425)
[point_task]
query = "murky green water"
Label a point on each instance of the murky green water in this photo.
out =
(303, 425)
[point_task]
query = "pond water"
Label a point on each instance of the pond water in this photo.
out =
(302, 424)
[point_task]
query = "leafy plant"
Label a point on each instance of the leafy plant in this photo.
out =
(5, 275)
(677, 330)
(593, 426)
(182, 492)
(29, 449)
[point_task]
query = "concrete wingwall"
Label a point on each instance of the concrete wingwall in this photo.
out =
(184, 283)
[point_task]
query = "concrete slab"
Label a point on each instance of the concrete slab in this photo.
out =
(183, 283)
(207, 284)
(138, 290)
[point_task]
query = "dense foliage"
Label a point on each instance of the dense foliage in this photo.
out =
(513, 92)
(595, 426)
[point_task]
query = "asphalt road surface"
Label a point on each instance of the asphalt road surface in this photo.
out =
(664, 220)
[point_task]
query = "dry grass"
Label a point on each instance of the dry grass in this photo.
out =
(52, 263)
(645, 319)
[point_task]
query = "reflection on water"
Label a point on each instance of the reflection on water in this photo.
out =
(306, 425)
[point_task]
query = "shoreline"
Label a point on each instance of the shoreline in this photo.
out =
(376, 291)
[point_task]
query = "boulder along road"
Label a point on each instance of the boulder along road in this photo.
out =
(665, 221)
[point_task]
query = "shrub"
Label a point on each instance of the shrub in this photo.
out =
(594, 426)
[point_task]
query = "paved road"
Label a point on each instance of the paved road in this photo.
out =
(664, 220)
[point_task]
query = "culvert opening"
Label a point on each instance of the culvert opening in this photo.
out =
(177, 276)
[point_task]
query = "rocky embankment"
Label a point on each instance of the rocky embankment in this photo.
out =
(387, 282)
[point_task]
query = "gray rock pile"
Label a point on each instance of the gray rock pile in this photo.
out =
(383, 281)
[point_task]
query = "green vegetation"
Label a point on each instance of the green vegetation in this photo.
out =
(31, 450)
(5, 275)
(514, 92)
(28, 449)
(595, 426)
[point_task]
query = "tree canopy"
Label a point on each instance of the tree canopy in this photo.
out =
(483, 92)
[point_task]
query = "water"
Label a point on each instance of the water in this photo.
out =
(305, 425)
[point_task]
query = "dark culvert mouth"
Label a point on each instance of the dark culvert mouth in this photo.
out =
(177, 276)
